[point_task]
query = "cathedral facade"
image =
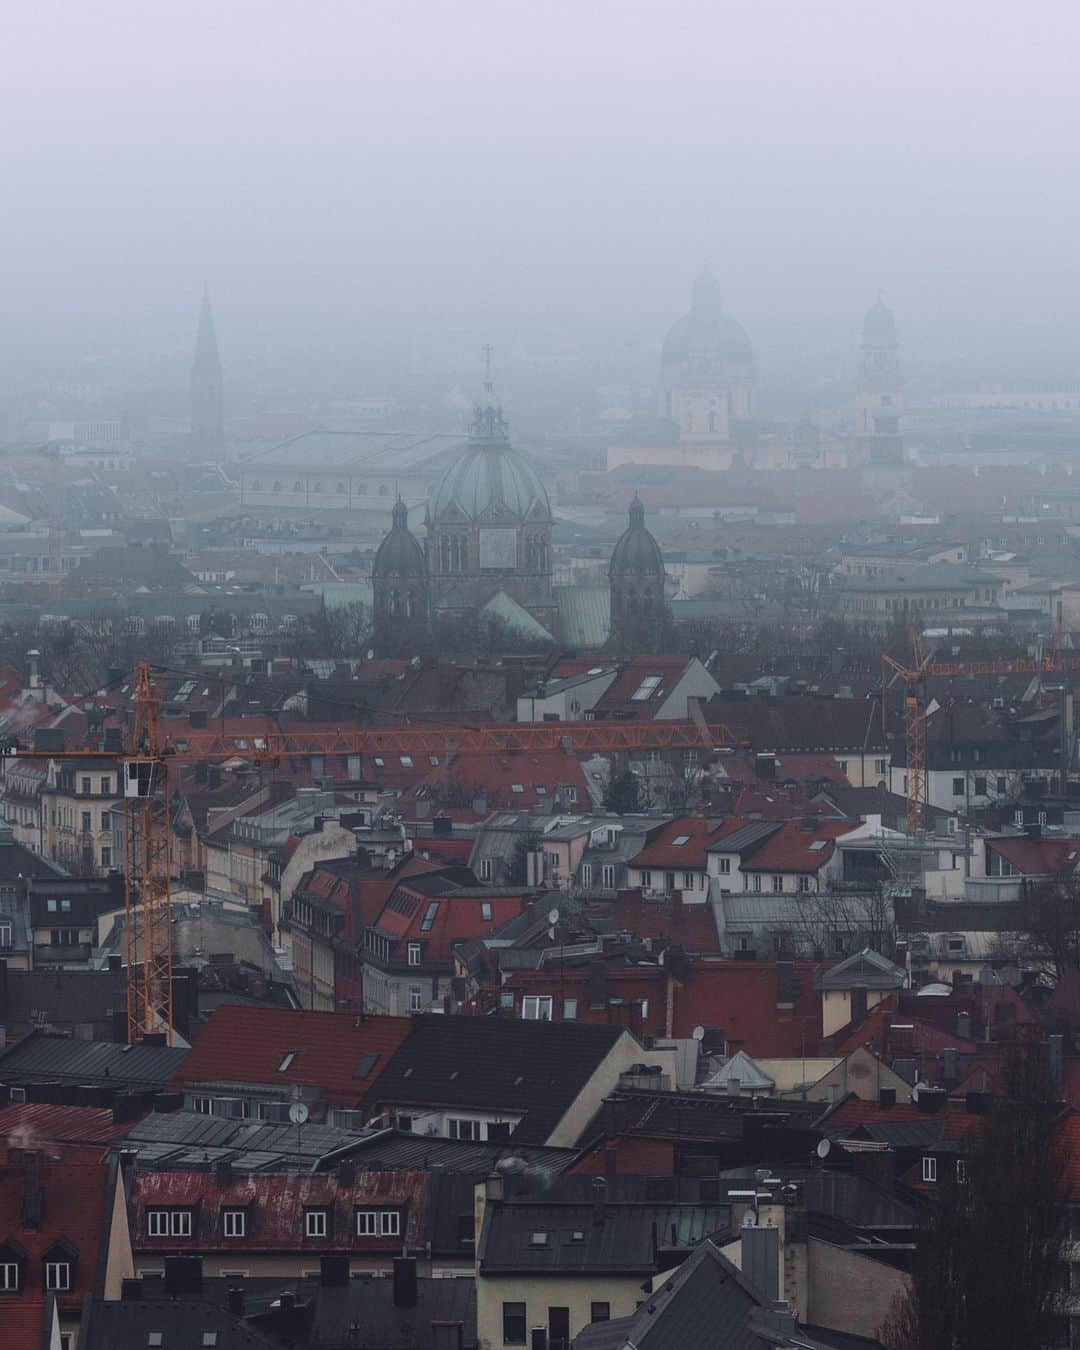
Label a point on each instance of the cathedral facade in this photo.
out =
(487, 552)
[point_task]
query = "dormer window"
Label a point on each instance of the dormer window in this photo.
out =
(58, 1276)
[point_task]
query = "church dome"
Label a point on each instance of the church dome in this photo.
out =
(491, 474)
(399, 554)
(637, 551)
(879, 324)
(707, 330)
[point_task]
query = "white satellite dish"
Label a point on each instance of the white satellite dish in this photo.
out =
(553, 916)
(824, 1148)
(298, 1113)
(698, 1033)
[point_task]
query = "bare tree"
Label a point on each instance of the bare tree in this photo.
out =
(834, 922)
(1050, 934)
(987, 1273)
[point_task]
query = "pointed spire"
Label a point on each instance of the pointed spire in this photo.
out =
(206, 348)
(637, 513)
(207, 385)
(489, 425)
(400, 515)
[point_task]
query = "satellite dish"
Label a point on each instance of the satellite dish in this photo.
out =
(824, 1148)
(298, 1113)
(698, 1033)
(553, 916)
(371, 654)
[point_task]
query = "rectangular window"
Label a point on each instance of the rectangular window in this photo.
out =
(414, 953)
(777, 884)
(688, 881)
(367, 1223)
(804, 884)
(646, 880)
(416, 998)
(6, 932)
(106, 786)
(569, 1009)
(725, 866)
(757, 881)
(957, 787)
(86, 788)
(86, 822)
(513, 1324)
(234, 1223)
(669, 881)
(980, 787)
(428, 921)
(929, 1168)
(486, 869)
(486, 911)
(9, 1277)
(458, 1128)
(1002, 786)
(961, 1170)
(315, 1223)
(607, 876)
(106, 857)
(586, 874)
(390, 1223)
(599, 1312)
(879, 767)
(536, 1007)
(106, 820)
(168, 1222)
(57, 1276)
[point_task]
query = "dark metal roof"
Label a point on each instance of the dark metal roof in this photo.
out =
(500, 1064)
(38, 1058)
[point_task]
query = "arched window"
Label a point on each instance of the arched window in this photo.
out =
(298, 486)
(317, 487)
(340, 489)
(257, 485)
(410, 605)
(395, 603)
(277, 487)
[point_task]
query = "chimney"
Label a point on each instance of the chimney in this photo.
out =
(33, 661)
(963, 1025)
(887, 1098)
(223, 1173)
(115, 963)
(346, 1175)
(886, 1030)
(785, 984)
(235, 1304)
(33, 1204)
(538, 1339)
(494, 1188)
(131, 1290)
(334, 1272)
(183, 1275)
(599, 1201)
(287, 1301)
(404, 1281)
(611, 1162)
(948, 1068)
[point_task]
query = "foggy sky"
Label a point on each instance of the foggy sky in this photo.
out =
(337, 171)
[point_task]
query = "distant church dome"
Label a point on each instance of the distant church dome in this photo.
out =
(637, 552)
(879, 324)
(399, 554)
(491, 477)
(707, 330)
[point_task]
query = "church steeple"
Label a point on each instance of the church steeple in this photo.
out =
(207, 387)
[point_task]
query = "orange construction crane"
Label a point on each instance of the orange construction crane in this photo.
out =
(915, 678)
(145, 765)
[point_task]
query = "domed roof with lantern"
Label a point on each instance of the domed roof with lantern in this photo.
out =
(399, 554)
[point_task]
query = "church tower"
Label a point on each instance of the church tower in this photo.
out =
(640, 618)
(879, 397)
(207, 388)
(399, 581)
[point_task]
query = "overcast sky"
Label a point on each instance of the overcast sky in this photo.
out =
(337, 169)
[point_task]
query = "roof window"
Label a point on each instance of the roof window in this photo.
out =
(406, 761)
(155, 1338)
(517, 787)
(538, 1239)
(286, 1060)
(577, 1235)
(646, 688)
(428, 921)
(379, 762)
(818, 845)
(679, 840)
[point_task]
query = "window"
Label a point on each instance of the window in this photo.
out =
(1002, 786)
(85, 787)
(9, 1277)
(406, 761)
(980, 787)
(106, 820)
(957, 787)
(517, 787)
(724, 866)
(106, 786)
(679, 840)
(513, 1324)
(646, 879)
(378, 1223)
(106, 856)
(316, 1223)
(168, 1222)
(459, 1128)
(414, 953)
(669, 881)
(485, 910)
(486, 868)
(234, 1223)
(688, 881)
(961, 1170)
(757, 881)
(155, 1338)
(880, 767)
(58, 1275)
(538, 1239)
(607, 876)
(536, 1007)
(428, 921)
(63, 937)
(87, 818)
(286, 1060)
(416, 998)
(586, 874)
(929, 1168)
(777, 883)
(599, 1312)
(646, 688)
(843, 766)
(569, 1009)
(6, 933)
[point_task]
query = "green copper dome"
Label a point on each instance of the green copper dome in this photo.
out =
(491, 474)
(399, 554)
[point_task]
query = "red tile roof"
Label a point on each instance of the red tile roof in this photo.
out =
(456, 919)
(58, 1124)
(854, 1111)
(620, 693)
(275, 1204)
(495, 779)
(696, 833)
(691, 926)
(743, 998)
(792, 848)
(248, 1044)
(77, 1199)
(1038, 857)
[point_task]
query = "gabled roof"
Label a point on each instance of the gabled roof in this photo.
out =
(795, 849)
(38, 1058)
(532, 1069)
(335, 1055)
(863, 970)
